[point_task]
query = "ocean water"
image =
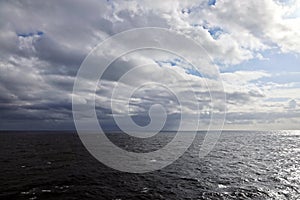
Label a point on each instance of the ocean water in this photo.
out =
(243, 165)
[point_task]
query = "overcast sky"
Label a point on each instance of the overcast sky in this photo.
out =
(254, 44)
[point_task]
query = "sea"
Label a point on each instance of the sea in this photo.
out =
(242, 165)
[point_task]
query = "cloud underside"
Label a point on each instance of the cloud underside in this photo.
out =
(44, 44)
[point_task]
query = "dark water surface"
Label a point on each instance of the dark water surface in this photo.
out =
(243, 165)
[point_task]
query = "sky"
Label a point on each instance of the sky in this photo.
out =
(254, 44)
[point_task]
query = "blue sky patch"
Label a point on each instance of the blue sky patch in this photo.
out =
(25, 34)
(193, 72)
(282, 78)
(211, 2)
(186, 11)
(273, 63)
(30, 34)
(177, 62)
(40, 33)
(215, 32)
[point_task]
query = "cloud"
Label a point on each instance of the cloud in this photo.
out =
(43, 45)
(292, 104)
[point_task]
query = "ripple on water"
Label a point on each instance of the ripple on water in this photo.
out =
(243, 165)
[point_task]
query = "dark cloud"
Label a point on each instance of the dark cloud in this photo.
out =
(242, 97)
(59, 55)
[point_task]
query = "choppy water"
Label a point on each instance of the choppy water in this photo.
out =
(243, 165)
